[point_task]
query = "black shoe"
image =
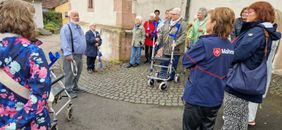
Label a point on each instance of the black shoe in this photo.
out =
(90, 71)
(135, 65)
(76, 89)
(130, 65)
(146, 62)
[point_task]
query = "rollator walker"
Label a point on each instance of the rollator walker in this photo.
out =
(154, 74)
(58, 92)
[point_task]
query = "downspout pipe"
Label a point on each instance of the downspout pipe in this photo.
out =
(187, 10)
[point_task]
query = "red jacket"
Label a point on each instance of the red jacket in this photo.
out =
(149, 28)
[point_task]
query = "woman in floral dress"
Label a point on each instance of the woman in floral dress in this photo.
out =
(24, 62)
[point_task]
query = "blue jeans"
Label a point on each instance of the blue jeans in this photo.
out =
(135, 55)
(174, 65)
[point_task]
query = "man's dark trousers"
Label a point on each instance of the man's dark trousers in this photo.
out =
(91, 63)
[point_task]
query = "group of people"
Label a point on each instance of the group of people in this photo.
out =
(155, 32)
(74, 45)
(236, 74)
(218, 48)
(211, 57)
(144, 36)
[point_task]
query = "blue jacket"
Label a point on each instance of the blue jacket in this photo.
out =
(249, 49)
(209, 61)
(91, 49)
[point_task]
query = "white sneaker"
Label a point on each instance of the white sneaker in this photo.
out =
(252, 123)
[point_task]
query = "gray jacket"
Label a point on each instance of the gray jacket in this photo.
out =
(138, 36)
(166, 41)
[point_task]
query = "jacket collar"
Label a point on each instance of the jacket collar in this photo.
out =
(4, 35)
(248, 25)
(208, 35)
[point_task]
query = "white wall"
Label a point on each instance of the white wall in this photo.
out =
(103, 11)
(236, 5)
(145, 7)
(38, 17)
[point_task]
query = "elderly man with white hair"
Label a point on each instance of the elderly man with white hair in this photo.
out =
(175, 26)
(137, 42)
(73, 45)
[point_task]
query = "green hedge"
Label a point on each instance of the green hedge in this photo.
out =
(52, 20)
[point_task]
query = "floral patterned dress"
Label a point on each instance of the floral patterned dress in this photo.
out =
(25, 62)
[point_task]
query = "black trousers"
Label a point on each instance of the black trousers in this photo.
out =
(91, 63)
(148, 52)
(198, 117)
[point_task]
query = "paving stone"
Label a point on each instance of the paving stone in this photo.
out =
(130, 85)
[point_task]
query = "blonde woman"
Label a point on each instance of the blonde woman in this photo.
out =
(24, 64)
(204, 89)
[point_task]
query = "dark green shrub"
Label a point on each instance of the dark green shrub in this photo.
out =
(52, 20)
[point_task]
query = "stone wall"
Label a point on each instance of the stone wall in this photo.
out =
(38, 18)
(102, 13)
(145, 7)
(116, 44)
(113, 18)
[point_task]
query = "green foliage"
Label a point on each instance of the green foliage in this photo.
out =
(52, 20)
(51, 26)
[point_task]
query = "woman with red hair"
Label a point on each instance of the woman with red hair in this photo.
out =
(251, 49)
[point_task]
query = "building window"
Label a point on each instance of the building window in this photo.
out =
(66, 14)
(90, 4)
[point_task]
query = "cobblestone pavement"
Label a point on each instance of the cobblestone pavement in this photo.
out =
(130, 85)
(276, 85)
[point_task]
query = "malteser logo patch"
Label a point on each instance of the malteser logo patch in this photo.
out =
(227, 51)
(216, 52)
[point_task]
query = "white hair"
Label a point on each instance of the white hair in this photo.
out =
(204, 11)
(176, 10)
(72, 11)
(138, 17)
(152, 14)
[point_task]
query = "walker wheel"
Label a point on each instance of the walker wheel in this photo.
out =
(163, 86)
(151, 82)
(69, 114)
(176, 78)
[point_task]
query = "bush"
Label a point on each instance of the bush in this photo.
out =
(51, 26)
(52, 20)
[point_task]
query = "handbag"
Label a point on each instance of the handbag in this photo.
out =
(250, 82)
